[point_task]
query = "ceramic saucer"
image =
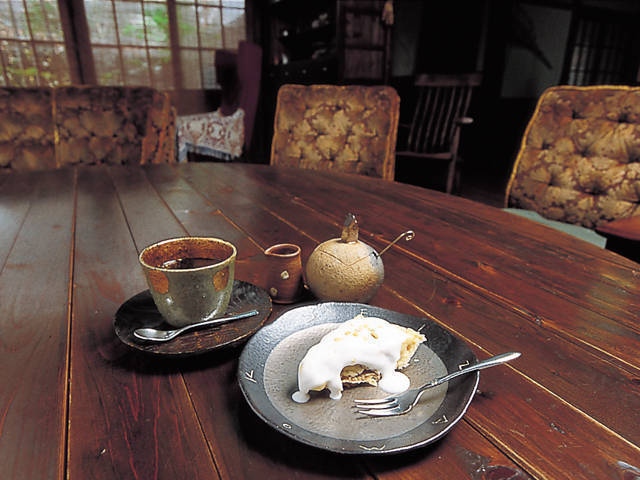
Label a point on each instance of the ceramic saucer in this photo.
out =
(140, 311)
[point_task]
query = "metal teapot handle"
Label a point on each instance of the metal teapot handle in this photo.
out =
(408, 235)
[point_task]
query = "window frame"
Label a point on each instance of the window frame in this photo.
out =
(601, 48)
(81, 59)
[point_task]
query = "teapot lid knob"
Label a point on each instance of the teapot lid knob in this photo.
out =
(350, 229)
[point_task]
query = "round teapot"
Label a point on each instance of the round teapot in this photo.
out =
(346, 269)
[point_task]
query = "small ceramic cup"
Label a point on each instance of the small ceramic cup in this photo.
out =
(190, 278)
(284, 272)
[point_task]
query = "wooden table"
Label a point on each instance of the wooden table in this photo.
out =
(78, 403)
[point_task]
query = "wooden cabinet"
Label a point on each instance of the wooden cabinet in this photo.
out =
(303, 41)
(328, 41)
(365, 48)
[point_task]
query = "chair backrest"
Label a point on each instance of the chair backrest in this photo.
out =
(54, 127)
(442, 101)
(27, 132)
(349, 128)
(579, 160)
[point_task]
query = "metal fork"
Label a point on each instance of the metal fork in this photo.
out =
(404, 402)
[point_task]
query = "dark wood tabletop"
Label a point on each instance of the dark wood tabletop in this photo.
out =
(77, 402)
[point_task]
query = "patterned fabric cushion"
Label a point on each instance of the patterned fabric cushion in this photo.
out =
(579, 160)
(351, 128)
(44, 128)
(27, 140)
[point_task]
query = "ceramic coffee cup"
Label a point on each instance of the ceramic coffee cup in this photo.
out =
(190, 278)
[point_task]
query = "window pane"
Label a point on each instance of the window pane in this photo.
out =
(210, 23)
(139, 26)
(234, 3)
(187, 29)
(162, 70)
(143, 24)
(599, 48)
(130, 23)
(108, 69)
(52, 65)
(102, 27)
(9, 53)
(234, 27)
(207, 25)
(209, 79)
(19, 64)
(130, 41)
(13, 18)
(191, 77)
(136, 66)
(156, 22)
(45, 21)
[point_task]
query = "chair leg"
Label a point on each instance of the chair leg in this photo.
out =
(451, 175)
(457, 181)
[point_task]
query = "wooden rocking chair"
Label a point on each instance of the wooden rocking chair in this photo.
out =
(441, 110)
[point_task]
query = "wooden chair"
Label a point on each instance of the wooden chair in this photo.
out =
(347, 128)
(579, 160)
(440, 112)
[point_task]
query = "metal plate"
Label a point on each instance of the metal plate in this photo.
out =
(140, 311)
(267, 373)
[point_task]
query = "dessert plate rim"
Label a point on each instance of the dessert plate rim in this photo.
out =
(255, 380)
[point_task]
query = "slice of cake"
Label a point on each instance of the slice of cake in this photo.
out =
(361, 350)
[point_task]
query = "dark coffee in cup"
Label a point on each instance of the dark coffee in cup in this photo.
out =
(193, 262)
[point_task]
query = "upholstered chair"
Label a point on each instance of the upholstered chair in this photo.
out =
(348, 128)
(45, 128)
(27, 139)
(579, 160)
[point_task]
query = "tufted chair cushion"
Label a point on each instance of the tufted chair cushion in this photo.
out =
(579, 161)
(27, 140)
(44, 128)
(350, 128)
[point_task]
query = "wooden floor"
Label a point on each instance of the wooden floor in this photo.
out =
(484, 189)
(483, 186)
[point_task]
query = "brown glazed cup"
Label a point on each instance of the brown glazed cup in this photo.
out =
(190, 278)
(284, 272)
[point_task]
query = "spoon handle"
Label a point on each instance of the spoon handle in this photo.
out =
(218, 321)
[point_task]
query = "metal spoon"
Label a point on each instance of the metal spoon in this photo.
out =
(155, 335)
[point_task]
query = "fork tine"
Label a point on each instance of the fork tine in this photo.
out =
(387, 412)
(374, 401)
(378, 406)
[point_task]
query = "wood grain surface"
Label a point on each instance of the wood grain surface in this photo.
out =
(78, 403)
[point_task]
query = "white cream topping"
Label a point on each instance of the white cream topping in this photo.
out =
(368, 341)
